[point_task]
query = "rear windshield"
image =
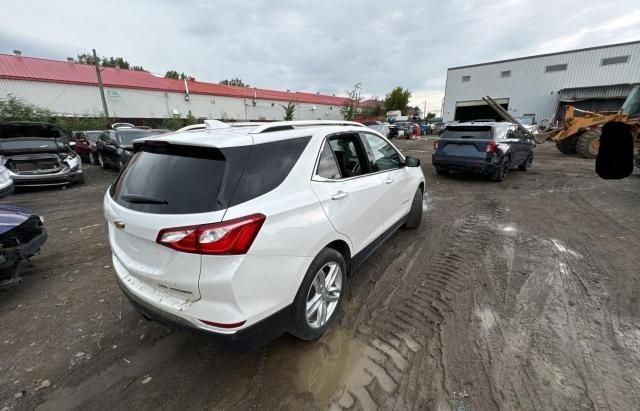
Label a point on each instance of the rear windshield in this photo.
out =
(171, 179)
(93, 135)
(177, 179)
(478, 133)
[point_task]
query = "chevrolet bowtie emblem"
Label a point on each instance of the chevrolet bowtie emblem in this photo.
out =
(119, 224)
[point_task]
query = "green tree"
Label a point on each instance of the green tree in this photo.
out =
(351, 107)
(236, 82)
(431, 115)
(172, 123)
(175, 75)
(398, 99)
(86, 58)
(14, 109)
(289, 110)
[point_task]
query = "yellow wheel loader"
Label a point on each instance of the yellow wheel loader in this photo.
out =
(579, 131)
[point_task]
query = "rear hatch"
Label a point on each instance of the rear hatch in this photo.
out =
(168, 186)
(465, 142)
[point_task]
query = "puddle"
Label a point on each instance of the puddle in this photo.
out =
(319, 368)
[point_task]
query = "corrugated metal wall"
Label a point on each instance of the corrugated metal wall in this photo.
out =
(530, 89)
(77, 100)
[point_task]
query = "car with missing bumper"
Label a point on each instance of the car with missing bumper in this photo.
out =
(248, 232)
(488, 148)
(22, 234)
(38, 154)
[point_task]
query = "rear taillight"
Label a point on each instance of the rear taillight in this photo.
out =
(227, 237)
(492, 147)
(435, 145)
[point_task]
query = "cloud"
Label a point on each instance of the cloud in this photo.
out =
(323, 46)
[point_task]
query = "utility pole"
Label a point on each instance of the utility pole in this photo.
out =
(104, 100)
(424, 113)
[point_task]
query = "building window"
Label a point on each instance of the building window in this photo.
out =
(466, 79)
(556, 67)
(506, 73)
(615, 60)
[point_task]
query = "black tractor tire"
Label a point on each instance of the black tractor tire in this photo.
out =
(568, 145)
(299, 327)
(527, 163)
(589, 143)
(501, 172)
(414, 219)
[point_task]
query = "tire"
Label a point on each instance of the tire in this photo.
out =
(589, 143)
(414, 219)
(503, 170)
(527, 163)
(302, 326)
(92, 159)
(568, 145)
(442, 171)
(80, 180)
(101, 161)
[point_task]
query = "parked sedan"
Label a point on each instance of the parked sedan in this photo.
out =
(115, 147)
(22, 234)
(85, 145)
(490, 149)
(38, 154)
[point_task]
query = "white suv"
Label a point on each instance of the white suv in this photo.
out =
(252, 231)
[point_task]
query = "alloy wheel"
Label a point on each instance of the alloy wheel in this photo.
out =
(323, 295)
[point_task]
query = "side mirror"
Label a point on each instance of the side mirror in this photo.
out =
(412, 161)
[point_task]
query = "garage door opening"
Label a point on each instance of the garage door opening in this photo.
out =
(478, 109)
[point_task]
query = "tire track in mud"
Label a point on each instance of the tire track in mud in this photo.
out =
(397, 334)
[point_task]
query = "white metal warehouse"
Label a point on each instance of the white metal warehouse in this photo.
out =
(596, 79)
(68, 88)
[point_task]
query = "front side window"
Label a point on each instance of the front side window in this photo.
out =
(327, 166)
(385, 157)
(349, 155)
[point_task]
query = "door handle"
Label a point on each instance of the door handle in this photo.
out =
(388, 180)
(340, 194)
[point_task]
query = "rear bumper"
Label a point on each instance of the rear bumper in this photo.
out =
(232, 290)
(253, 336)
(469, 165)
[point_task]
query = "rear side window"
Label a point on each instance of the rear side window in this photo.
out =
(267, 167)
(478, 133)
(169, 179)
(327, 166)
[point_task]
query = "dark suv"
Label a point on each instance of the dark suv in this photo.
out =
(491, 149)
(115, 147)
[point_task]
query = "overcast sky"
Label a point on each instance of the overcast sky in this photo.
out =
(324, 45)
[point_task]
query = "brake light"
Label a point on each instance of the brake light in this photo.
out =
(435, 145)
(492, 147)
(224, 238)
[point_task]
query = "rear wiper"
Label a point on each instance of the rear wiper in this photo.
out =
(139, 199)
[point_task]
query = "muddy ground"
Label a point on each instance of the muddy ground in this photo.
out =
(516, 295)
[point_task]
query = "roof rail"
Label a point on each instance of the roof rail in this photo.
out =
(279, 125)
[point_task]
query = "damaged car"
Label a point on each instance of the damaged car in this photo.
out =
(115, 147)
(38, 154)
(22, 235)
